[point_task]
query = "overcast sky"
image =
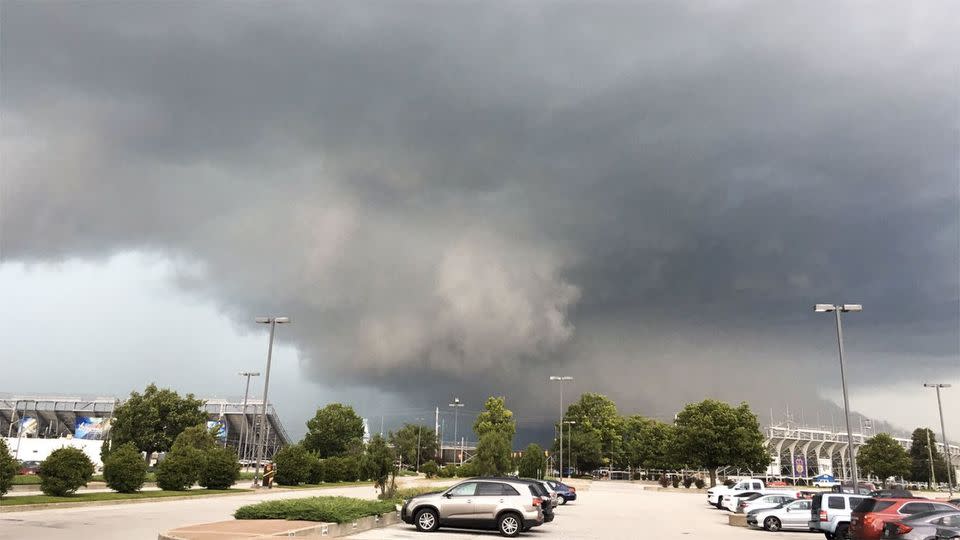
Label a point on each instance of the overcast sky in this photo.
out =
(465, 198)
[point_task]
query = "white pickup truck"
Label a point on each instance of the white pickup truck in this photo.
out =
(716, 495)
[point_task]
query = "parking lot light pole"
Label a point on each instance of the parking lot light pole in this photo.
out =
(561, 379)
(419, 429)
(457, 405)
(245, 433)
(943, 433)
(837, 309)
(259, 439)
(569, 424)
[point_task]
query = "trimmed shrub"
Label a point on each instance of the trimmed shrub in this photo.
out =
(317, 470)
(448, 471)
(687, 482)
(466, 470)
(324, 509)
(675, 481)
(699, 483)
(8, 468)
(64, 471)
(664, 480)
(293, 464)
(180, 470)
(220, 469)
(430, 469)
(124, 470)
(341, 469)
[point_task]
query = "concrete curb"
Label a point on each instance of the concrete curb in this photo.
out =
(737, 520)
(319, 530)
(81, 504)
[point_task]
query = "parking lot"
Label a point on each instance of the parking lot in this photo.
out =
(615, 510)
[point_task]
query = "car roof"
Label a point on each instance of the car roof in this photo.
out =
(920, 516)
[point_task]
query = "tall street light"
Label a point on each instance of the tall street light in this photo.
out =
(419, 428)
(561, 379)
(245, 433)
(457, 405)
(260, 439)
(837, 309)
(569, 424)
(943, 431)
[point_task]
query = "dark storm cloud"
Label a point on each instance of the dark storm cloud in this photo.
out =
(651, 196)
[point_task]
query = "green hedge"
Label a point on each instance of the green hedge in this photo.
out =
(325, 509)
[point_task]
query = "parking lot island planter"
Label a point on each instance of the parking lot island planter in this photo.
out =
(737, 520)
(273, 528)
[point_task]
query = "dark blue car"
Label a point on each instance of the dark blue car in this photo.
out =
(565, 492)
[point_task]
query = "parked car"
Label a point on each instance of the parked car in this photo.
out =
(793, 515)
(830, 514)
(717, 494)
(863, 488)
(924, 526)
(548, 502)
(866, 522)
(892, 493)
(762, 502)
(508, 506)
(825, 481)
(29, 467)
(552, 493)
(730, 503)
(565, 492)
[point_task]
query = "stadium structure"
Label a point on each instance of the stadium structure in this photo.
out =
(89, 418)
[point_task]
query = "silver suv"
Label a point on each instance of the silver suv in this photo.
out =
(830, 514)
(481, 503)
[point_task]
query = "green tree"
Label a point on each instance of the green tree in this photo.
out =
(8, 468)
(495, 417)
(582, 448)
(378, 463)
(883, 457)
(430, 469)
(533, 463)
(124, 470)
(294, 465)
(597, 419)
(406, 441)
(195, 437)
(333, 431)
(182, 466)
(920, 457)
(712, 434)
(153, 420)
(64, 471)
(648, 444)
(493, 454)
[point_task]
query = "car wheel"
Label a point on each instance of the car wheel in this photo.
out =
(720, 502)
(563, 501)
(828, 535)
(771, 524)
(510, 524)
(843, 532)
(427, 520)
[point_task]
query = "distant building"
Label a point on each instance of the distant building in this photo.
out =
(89, 419)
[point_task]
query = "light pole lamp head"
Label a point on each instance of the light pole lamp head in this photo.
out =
(851, 307)
(559, 378)
(250, 373)
(268, 320)
(827, 308)
(937, 385)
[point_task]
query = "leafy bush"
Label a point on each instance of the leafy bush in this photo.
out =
(687, 481)
(180, 470)
(448, 471)
(430, 469)
(64, 471)
(409, 493)
(664, 480)
(327, 509)
(317, 471)
(467, 470)
(341, 469)
(293, 465)
(124, 470)
(220, 469)
(675, 481)
(8, 468)
(729, 482)
(699, 483)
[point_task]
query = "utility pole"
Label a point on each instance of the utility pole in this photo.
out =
(272, 321)
(933, 474)
(943, 429)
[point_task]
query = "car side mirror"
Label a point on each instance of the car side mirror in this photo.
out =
(447, 495)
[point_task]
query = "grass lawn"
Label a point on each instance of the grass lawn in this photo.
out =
(26, 480)
(93, 497)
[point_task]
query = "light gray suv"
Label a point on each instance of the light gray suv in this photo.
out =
(479, 503)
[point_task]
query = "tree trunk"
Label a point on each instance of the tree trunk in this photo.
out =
(148, 454)
(713, 478)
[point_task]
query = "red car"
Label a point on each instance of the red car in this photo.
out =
(866, 522)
